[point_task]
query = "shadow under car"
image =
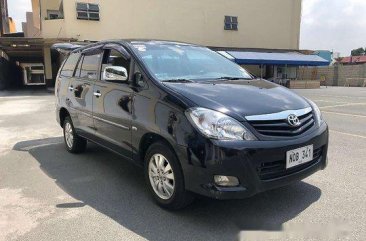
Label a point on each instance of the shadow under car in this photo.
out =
(116, 188)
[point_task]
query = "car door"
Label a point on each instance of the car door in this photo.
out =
(64, 78)
(113, 102)
(82, 86)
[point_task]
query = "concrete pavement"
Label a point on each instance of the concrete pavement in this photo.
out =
(48, 194)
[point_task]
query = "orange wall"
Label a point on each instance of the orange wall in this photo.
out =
(12, 26)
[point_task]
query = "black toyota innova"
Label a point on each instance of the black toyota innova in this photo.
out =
(194, 120)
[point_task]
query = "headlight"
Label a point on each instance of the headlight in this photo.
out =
(216, 125)
(318, 114)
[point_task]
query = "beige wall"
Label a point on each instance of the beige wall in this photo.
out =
(49, 5)
(36, 13)
(24, 29)
(47, 62)
(262, 23)
(54, 29)
(333, 75)
(29, 28)
(32, 27)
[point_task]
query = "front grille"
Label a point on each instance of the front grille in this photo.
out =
(282, 128)
(271, 170)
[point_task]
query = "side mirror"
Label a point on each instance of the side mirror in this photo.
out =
(115, 74)
(138, 79)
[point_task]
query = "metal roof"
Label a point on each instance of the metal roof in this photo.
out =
(353, 60)
(258, 58)
(26, 49)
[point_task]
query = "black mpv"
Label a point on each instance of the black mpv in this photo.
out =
(194, 120)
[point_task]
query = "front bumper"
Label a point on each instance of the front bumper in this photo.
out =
(259, 165)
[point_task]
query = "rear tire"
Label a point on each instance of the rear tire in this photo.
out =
(73, 142)
(164, 177)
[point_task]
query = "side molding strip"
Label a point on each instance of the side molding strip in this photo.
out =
(111, 123)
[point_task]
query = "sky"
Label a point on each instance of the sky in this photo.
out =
(17, 10)
(336, 25)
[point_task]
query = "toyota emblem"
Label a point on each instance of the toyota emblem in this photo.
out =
(293, 120)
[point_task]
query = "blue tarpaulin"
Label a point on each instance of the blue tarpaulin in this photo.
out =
(260, 58)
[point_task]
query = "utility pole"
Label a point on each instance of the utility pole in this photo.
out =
(4, 21)
(1, 18)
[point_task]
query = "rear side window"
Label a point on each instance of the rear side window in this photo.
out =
(70, 64)
(90, 66)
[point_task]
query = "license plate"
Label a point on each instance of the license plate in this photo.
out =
(299, 156)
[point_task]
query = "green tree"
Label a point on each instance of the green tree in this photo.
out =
(358, 52)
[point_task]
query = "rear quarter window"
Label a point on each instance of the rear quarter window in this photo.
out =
(70, 64)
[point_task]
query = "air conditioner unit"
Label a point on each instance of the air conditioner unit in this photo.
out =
(33, 73)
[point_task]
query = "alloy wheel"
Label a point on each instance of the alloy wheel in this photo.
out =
(161, 176)
(69, 136)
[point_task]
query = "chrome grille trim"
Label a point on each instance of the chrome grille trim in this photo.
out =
(279, 115)
(277, 124)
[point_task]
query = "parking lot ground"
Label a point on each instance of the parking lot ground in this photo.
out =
(49, 194)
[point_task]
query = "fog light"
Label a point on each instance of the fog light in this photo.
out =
(226, 181)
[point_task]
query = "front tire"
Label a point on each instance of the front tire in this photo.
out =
(164, 177)
(73, 142)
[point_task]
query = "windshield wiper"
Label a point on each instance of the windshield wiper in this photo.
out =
(178, 81)
(232, 78)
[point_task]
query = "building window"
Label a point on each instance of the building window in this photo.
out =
(231, 23)
(87, 11)
(53, 14)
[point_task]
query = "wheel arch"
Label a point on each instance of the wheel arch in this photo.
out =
(63, 114)
(150, 138)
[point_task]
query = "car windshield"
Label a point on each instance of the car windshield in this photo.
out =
(169, 62)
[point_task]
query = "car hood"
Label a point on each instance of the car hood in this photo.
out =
(240, 98)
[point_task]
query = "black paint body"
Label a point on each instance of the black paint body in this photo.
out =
(127, 118)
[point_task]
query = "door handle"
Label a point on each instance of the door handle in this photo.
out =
(71, 88)
(97, 94)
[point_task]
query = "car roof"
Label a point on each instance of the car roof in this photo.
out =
(154, 41)
(130, 42)
(147, 42)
